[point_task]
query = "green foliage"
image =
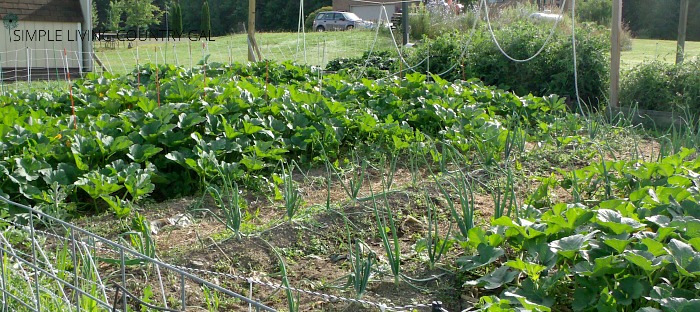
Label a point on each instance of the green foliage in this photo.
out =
(362, 261)
(388, 231)
(432, 23)
(600, 12)
(291, 194)
(635, 246)
(114, 15)
(176, 20)
(205, 26)
(227, 16)
(127, 148)
(660, 86)
(549, 73)
(375, 66)
(597, 11)
(658, 19)
(140, 14)
(93, 13)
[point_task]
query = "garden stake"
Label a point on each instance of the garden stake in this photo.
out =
(267, 77)
(138, 69)
(204, 66)
(157, 83)
(2, 81)
(70, 91)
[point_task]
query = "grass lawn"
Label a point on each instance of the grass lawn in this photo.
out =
(650, 49)
(320, 48)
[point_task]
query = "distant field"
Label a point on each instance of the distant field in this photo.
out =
(316, 49)
(664, 50)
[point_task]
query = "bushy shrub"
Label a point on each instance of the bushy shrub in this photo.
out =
(309, 22)
(551, 72)
(600, 13)
(597, 11)
(377, 65)
(656, 85)
(431, 23)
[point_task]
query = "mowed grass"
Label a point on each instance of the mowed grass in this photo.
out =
(312, 48)
(662, 50)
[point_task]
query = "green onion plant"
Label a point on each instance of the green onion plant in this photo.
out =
(434, 245)
(362, 263)
(388, 231)
(292, 197)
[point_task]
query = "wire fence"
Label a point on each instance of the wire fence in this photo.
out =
(73, 269)
(34, 65)
(52, 265)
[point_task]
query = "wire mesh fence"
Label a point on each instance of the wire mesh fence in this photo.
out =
(123, 56)
(52, 265)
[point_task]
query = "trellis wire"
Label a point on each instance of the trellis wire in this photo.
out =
(33, 262)
(120, 251)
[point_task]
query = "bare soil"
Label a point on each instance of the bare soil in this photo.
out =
(314, 246)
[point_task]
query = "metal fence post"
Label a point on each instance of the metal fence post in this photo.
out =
(29, 64)
(75, 268)
(34, 261)
(123, 273)
(2, 276)
(184, 295)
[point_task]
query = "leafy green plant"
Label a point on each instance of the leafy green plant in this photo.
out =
(211, 299)
(379, 64)
(628, 250)
(432, 22)
(120, 208)
(656, 85)
(140, 238)
(130, 148)
(598, 11)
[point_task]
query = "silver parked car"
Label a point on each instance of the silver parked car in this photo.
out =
(334, 20)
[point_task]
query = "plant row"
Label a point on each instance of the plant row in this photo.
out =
(163, 131)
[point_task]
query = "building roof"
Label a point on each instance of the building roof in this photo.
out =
(68, 11)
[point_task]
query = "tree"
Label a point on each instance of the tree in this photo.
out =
(115, 15)
(205, 29)
(140, 14)
(176, 20)
(658, 19)
(93, 12)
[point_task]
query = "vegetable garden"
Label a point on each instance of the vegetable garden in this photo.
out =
(316, 190)
(438, 189)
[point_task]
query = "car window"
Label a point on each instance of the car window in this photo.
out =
(351, 17)
(338, 16)
(321, 16)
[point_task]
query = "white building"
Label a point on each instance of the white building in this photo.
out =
(44, 37)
